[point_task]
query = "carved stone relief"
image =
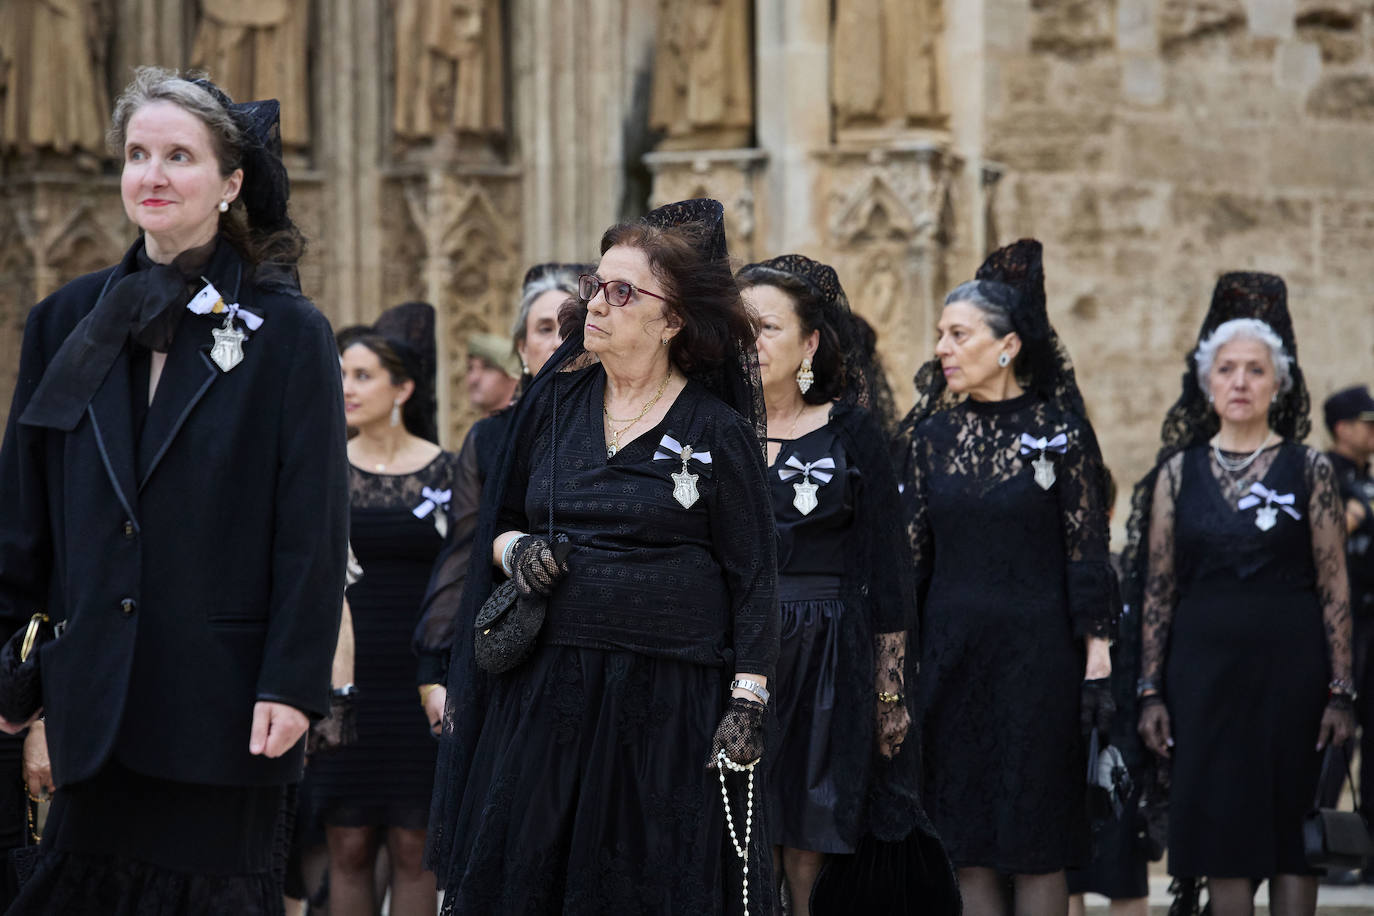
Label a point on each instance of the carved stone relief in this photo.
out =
(703, 95)
(733, 177)
(888, 67)
(259, 49)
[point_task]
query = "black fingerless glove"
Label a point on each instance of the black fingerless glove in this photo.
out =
(339, 728)
(536, 566)
(1097, 707)
(740, 733)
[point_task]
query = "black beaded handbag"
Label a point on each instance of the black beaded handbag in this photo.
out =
(21, 686)
(1332, 838)
(508, 623)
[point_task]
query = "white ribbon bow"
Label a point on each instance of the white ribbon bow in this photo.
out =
(1259, 493)
(793, 466)
(1029, 443)
(433, 499)
(205, 301)
(671, 449)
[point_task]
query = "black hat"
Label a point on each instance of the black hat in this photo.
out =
(1352, 403)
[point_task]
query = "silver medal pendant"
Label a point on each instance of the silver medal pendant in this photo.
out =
(805, 500)
(1266, 517)
(1044, 471)
(228, 349)
(685, 487)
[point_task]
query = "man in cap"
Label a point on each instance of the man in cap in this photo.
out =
(493, 372)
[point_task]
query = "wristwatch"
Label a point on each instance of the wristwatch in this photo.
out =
(754, 687)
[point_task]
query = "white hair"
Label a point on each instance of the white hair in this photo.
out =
(1244, 329)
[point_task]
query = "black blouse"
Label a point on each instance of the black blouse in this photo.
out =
(811, 542)
(689, 579)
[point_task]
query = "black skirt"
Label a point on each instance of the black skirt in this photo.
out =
(801, 776)
(589, 793)
(125, 843)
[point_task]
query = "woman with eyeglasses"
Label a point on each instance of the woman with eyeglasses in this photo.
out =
(588, 777)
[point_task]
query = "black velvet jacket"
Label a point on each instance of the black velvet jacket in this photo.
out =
(197, 568)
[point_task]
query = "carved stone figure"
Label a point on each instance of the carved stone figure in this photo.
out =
(52, 88)
(259, 49)
(449, 69)
(703, 93)
(888, 64)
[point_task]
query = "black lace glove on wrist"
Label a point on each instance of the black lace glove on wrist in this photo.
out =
(336, 730)
(740, 733)
(1097, 708)
(1154, 726)
(1338, 721)
(537, 567)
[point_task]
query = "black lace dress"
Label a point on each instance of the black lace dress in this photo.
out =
(386, 777)
(587, 791)
(1012, 575)
(1246, 616)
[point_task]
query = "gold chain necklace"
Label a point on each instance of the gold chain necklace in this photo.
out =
(614, 445)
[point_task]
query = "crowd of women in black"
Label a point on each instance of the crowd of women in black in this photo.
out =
(701, 626)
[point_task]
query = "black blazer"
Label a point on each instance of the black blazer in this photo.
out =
(198, 570)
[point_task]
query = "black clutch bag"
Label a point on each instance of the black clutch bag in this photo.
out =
(21, 687)
(507, 627)
(1332, 838)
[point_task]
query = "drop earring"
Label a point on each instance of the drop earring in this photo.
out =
(805, 377)
(1003, 360)
(224, 206)
(396, 413)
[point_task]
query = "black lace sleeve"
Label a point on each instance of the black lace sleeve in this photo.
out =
(1082, 503)
(1327, 518)
(916, 512)
(1161, 584)
(433, 637)
(744, 536)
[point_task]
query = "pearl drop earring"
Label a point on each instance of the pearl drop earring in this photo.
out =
(224, 206)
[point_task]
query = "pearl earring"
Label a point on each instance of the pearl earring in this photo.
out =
(805, 377)
(1003, 360)
(396, 413)
(224, 206)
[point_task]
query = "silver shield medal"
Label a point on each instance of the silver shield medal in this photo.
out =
(805, 500)
(228, 349)
(685, 488)
(1044, 471)
(1266, 517)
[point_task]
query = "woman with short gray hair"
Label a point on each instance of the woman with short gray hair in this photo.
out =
(1236, 556)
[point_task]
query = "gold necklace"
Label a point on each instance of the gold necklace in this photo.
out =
(614, 445)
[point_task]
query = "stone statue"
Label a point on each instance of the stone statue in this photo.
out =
(450, 69)
(888, 64)
(258, 49)
(52, 87)
(703, 92)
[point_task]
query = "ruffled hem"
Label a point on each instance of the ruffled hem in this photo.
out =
(71, 884)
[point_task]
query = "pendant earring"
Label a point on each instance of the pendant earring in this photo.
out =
(1003, 360)
(395, 413)
(805, 377)
(224, 206)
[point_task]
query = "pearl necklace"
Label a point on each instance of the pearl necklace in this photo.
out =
(1233, 465)
(614, 445)
(740, 850)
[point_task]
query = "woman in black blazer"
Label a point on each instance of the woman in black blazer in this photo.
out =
(173, 494)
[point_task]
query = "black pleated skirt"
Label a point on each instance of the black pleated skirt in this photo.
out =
(589, 793)
(124, 843)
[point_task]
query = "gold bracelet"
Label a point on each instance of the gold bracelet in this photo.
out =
(885, 697)
(426, 690)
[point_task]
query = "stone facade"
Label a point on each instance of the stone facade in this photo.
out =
(1150, 144)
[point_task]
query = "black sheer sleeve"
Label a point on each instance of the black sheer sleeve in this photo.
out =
(889, 586)
(433, 637)
(920, 543)
(1161, 583)
(1082, 503)
(1327, 519)
(743, 535)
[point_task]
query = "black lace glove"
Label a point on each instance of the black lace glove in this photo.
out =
(1154, 726)
(336, 730)
(740, 733)
(537, 567)
(1097, 708)
(1338, 721)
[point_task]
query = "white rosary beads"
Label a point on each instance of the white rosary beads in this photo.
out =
(741, 851)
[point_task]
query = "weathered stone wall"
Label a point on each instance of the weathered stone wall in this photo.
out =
(1153, 144)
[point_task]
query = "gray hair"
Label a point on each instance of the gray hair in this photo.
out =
(561, 278)
(1205, 355)
(158, 84)
(995, 300)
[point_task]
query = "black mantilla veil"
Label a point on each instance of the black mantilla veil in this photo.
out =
(1192, 421)
(409, 328)
(266, 187)
(735, 381)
